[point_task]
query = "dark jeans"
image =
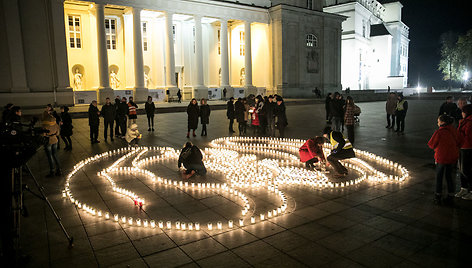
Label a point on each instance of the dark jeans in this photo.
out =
(204, 129)
(465, 166)
(122, 123)
(392, 125)
(198, 168)
(117, 126)
(334, 158)
(231, 121)
(350, 133)
(271, 127)
(51, 153)
(150, 118)
(337, 123)
(67, 141)
(311, 162)
(105, 129)
(401, 122)
(94, 132)
(282, 131)
(242, 128)
(444, 170)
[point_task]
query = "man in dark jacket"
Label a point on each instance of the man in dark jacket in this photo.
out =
(342, 150)
(448, 107)
(336, 111)
(108, 112)
(122, 112)
(270, 114)
(192, 159)
(94, 121)
(281, 116)
(230, 113)
(117, 123)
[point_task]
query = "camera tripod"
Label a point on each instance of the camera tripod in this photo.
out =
(18, 208)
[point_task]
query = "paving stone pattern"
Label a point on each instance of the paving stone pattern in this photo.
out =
(371, 225)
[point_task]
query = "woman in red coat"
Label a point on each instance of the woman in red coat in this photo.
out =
(465, 162)
(446, 143)
(312, 151)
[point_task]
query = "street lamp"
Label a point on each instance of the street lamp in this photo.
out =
(465, 76)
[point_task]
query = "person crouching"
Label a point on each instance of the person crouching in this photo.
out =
(342, 149)
(192, 159)
(132, 135)
(312, 151)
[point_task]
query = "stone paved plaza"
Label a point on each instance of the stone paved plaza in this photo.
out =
(370, 225)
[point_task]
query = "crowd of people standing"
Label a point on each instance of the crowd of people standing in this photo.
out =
(263, 114)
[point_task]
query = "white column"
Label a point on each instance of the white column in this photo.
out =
(198, 82)
(140, 91)
(15, 46)
(60, 49)
(104, 89)
(224, 53)
(247, 51)
(170, 58)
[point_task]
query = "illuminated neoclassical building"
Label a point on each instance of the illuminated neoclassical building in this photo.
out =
(374, 43)
(76, 51)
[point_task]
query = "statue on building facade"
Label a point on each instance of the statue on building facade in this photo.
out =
(114, 81)
(147, 79)
(77, 80)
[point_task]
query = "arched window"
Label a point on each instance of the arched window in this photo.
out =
(311, 40)
(242, 77)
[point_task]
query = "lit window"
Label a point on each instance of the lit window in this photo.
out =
(219, 41)
(110, 31)
(311, 40)
(241, 43)
(145, 37)
(74, 32)
(242, 77)
(309, 4)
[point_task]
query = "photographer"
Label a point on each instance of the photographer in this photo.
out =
(50, 146)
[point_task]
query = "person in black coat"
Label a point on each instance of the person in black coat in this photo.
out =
(122, 111)
(448, 107)
(270, 114)
(150, 109)
(336, 112)
(192, 111)
(66, 128)
(94, 121)
(192, 159)
(400, 113)
(204, 115)
(281, 116)
(6, 112)
(239, 110)
(230, 113)
(108, 113)
(117, 122)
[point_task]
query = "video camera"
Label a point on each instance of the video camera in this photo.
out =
(19, 142)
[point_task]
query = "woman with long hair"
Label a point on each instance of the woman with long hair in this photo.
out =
(349, 118)
(192, 112)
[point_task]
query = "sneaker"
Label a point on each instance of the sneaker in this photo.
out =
(149, 129)
(462, 192)
(467, 196)
(152, 129)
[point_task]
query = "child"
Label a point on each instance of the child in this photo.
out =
(132, 135)
(445, 142)
(312, 152)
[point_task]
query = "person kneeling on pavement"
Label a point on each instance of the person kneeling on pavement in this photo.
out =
(191, 158)
(132, 135)
(342, 149)
(312, 151)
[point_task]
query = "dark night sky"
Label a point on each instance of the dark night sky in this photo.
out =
(427, 20)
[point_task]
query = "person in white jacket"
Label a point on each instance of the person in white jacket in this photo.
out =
(132, 135)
